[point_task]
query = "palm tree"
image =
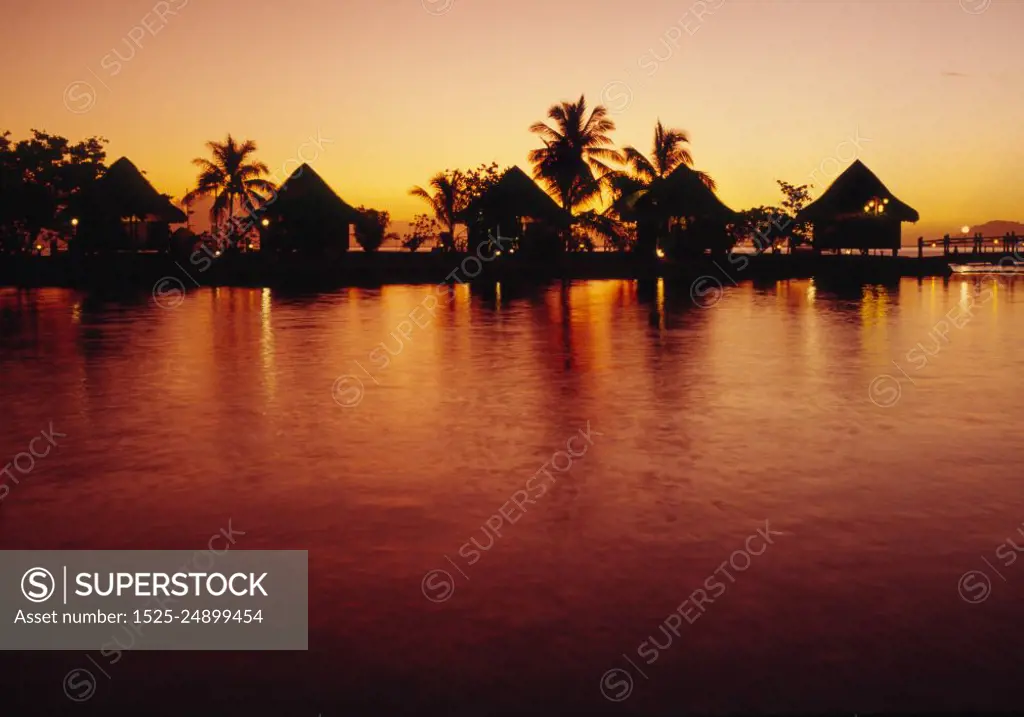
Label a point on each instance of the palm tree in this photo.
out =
(445, 201)
(232, 177)
(667, 153)
(644, 174)
(576, 152)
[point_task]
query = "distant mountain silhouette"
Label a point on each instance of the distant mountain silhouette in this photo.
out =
(998, 228)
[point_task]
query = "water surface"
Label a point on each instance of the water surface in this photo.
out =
(885, 475)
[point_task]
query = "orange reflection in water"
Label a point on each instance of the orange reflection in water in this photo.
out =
(707, 422)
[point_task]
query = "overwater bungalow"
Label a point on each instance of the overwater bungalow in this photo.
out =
(517, 207)
(306, 216)
(681, 215)
(857, 212)
(122, 210)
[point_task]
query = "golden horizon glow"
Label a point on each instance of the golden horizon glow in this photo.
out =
(378, 97)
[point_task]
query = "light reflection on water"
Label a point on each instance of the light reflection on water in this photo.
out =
(712, 421)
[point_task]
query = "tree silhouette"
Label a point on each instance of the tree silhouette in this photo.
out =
(42, 182)
(233, 178)
(648, 175)
(668, 151)
(446, 200)
(576, 152)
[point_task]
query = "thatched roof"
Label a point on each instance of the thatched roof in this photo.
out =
(515, 194)
(683, 194)
(305, 191)
(124, 190)
(850, 193)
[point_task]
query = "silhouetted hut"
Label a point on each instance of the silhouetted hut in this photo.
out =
(516, 207)
(306, 216)
(183, 240)
(122, 210)
(857, 212)
(682, 214)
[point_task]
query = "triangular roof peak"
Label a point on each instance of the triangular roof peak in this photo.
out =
(124, 187)
(850, 192)
(308, 186)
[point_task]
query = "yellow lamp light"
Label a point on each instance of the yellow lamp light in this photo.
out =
(74, 222)
(265, 222)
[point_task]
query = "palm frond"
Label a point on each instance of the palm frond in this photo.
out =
(708, 182)
(577, 152)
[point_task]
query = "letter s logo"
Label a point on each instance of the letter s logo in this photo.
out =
(37, 585)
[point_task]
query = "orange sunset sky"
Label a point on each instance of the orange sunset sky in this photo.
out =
(400, 89)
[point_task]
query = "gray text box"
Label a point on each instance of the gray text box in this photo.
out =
(154, 600)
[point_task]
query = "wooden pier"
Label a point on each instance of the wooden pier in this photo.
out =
(977, 246)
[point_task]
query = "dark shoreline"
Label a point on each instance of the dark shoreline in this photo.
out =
(134, 271)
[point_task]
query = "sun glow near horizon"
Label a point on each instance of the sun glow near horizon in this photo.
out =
(766, 91)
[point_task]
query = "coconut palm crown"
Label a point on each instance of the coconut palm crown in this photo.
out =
(668, 151)
(232, 177)
(576, 154)
(446, 200)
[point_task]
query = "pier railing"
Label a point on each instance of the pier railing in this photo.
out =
(975, 244)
